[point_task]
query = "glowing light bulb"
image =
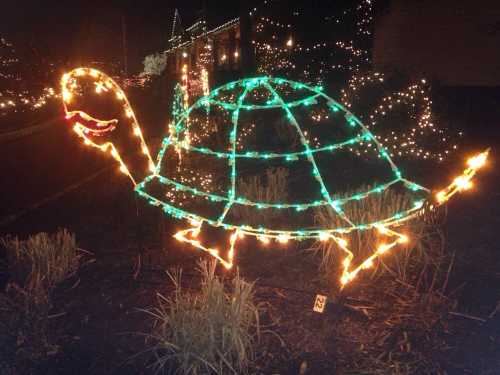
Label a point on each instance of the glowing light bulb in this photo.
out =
(477, 161)
(367, 264)
(67, 96)
(264, 240)
(65, 79)
(344, 280)
(383, 248)
(463, 183)
(283, 238)
(382, 229)
(324, 236)
(194, 223)
(342, 242)
(441, 197)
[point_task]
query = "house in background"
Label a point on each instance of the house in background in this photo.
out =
(222, 48)
(456, 44)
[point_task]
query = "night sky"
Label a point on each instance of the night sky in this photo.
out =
(84, 31)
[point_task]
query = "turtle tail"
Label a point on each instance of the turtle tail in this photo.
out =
(462, 182)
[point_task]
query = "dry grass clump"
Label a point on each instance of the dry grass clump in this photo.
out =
(42, 261)
(212, 331)
(35, 266)
(273, 187)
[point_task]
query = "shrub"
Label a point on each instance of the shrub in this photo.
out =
(42, 261)
(209, 332)
(35, 267)
(154, 64)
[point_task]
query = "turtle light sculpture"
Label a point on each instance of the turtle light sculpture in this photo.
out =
(241, 129)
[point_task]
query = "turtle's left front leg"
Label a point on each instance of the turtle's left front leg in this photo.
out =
(191, 236)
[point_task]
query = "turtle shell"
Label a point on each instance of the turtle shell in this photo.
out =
(265, 154)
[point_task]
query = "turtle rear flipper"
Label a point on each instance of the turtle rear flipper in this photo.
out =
(464, 181)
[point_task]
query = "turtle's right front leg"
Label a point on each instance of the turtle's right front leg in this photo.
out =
(191, 236)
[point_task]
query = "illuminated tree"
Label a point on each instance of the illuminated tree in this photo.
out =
(154, 64)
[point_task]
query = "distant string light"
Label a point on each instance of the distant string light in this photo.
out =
(415, 141)
(12, 99)
(276, 56)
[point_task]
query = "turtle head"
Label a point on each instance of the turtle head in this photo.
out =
(101, 115)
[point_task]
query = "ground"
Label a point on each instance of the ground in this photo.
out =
(129, 249)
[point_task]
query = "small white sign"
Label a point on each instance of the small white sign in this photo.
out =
(319, 303)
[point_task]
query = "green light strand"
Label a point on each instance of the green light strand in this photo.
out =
(232, 160)
(310, 157)
(298, 206)
(232, 198)
(292, 234)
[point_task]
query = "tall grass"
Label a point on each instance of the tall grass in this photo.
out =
(209, 332)
(41, 261)
(363, 243)
(35, 266)
(272, 188)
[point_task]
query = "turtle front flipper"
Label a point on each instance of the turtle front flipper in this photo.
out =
(349, 273)
(87, 91)
(191, 235)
